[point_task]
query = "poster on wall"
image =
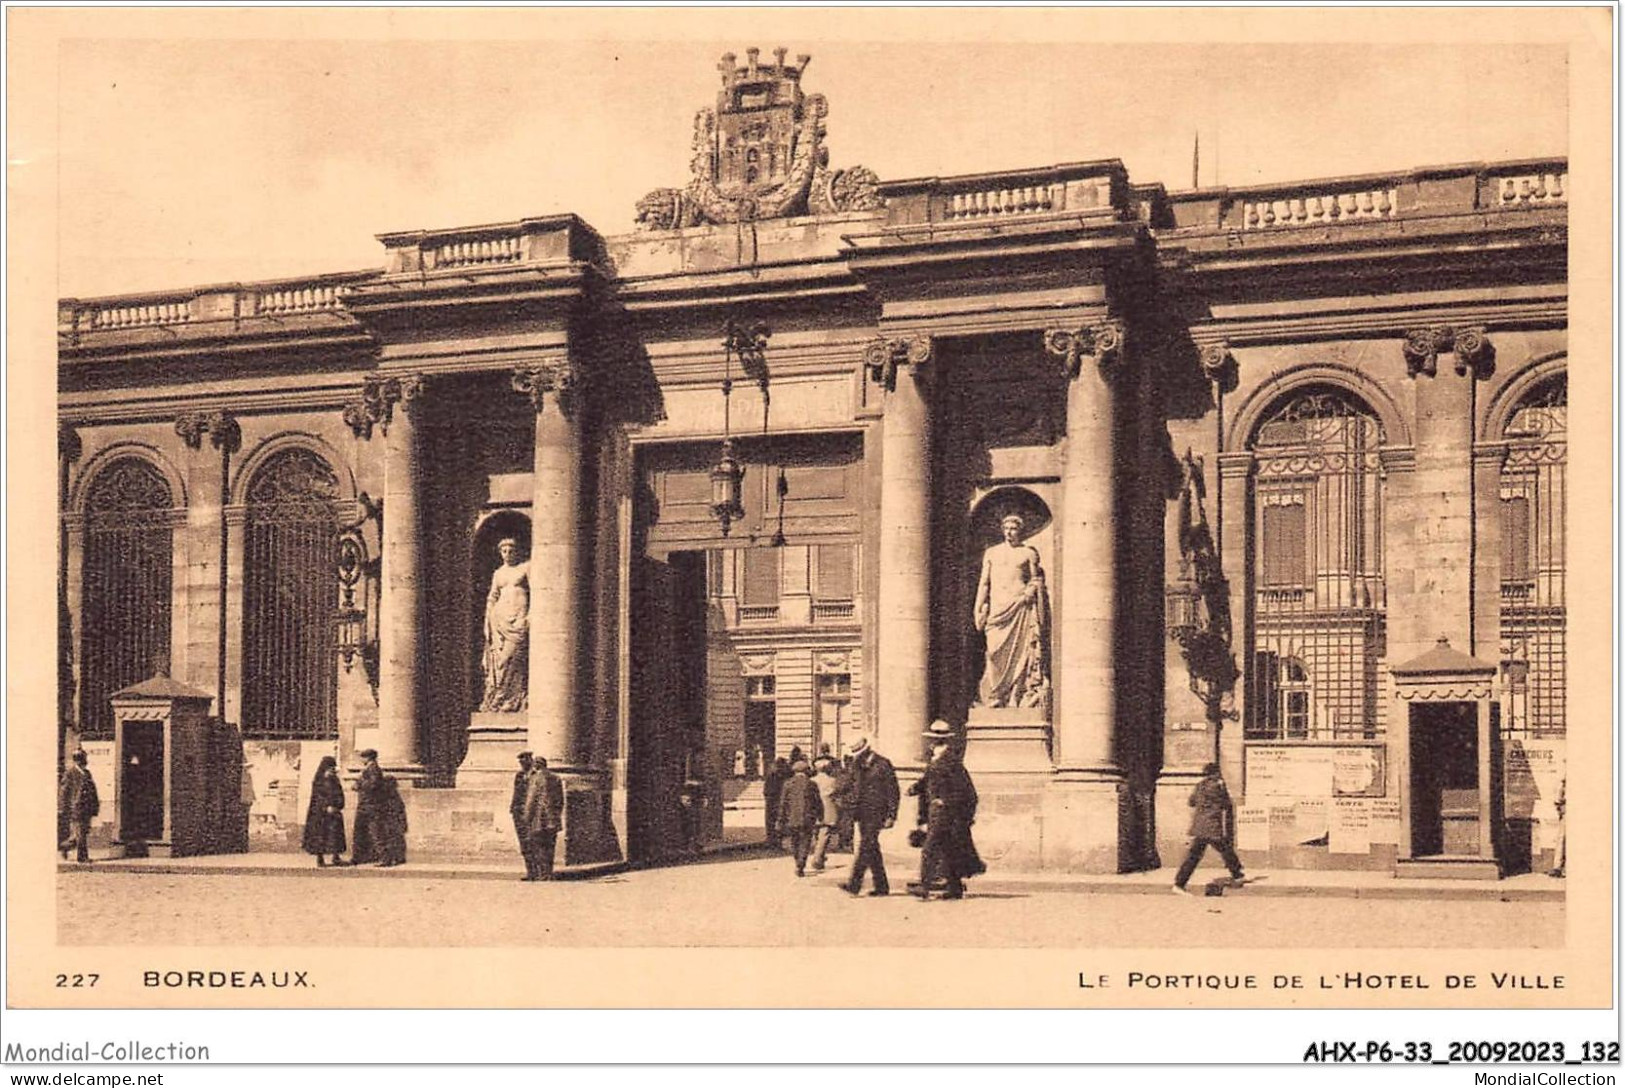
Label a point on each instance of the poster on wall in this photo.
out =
(1252, 827)
(1350, 826)
(1317, 770)
(1533, 775)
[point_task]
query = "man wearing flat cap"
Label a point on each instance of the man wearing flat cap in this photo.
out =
(947, 810)
(516, 809)
(543, 817)
(800, 809)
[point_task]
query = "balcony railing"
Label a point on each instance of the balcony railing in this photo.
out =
(463, 253)
(758, 613)
(1537, 188)
(831, 611)
(137, 315)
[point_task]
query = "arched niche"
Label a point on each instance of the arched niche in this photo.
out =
(988, 511)
(492, 527)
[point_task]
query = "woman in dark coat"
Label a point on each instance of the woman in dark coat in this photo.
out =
(391, 825)
(947, 810)
(324, 820)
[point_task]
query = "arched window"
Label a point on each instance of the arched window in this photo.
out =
(290, 594)
(1533, 498)
(1317, 588)
(124, 621)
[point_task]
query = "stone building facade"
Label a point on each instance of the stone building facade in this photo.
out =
(1291, 456)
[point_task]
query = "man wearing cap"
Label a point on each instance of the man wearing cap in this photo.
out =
(947, 810)
(543, 816)
(800, 809)
(873, 796)
(516, 809)
(77, 803)
(1211, 824)
(369, 790)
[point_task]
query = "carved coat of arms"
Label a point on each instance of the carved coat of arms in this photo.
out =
(760, 155)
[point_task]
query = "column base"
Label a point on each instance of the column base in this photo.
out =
(1002, 740)
(1084, 819)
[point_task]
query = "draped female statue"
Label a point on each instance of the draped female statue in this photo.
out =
(1012, 611)
(506, 661)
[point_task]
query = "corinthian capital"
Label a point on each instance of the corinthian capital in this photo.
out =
(1423, 347)
(1103, 341)
(537, 380)
(378, 399)
(220, 425)
(884, 354)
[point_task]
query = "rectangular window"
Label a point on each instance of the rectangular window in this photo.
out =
(1515, 539)
(1284, 555)
(760, 577)
(834, 576)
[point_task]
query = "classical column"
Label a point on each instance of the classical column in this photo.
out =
(1086, 713)
(400, 609)
(902, 366)
(1488, 550)
(1442, 601)
(556, 591)
(69, 568)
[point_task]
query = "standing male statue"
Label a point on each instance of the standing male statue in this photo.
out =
(1012, 611)
(505, 660)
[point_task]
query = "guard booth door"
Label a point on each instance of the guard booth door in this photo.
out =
(141, 782)
(668, 685)
(1446, 783)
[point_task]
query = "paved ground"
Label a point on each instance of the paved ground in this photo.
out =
(751, 901)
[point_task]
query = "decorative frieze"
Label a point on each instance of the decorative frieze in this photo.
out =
(220, 425)
(884, 354)
(1103, 341)
(1424, 346)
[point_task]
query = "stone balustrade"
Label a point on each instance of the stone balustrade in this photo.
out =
(1301, 209)
(135, 315)
(298, 300)
(1022, 200)
(205, 311)
(1537, 188)
(1369, 198)
(463, 252)
(1090, 188)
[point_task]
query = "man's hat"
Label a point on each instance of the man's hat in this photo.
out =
(80, 756)
(368, 753)
(523, 755)
(940, 730)
(801, 767)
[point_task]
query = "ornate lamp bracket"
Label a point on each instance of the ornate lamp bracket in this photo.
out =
(1103, 341)
(883, 355)
(1471, 347)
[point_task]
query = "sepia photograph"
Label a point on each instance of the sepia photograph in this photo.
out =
(1092, 507)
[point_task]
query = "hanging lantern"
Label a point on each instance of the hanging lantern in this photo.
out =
(1182, 603)
(726, 487)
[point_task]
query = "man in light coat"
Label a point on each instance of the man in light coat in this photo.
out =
(543, 816)
(828, 783)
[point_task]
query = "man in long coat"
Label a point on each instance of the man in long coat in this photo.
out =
(947, 810)
(543, 817)
(77, 803)
(516, 809)
(369, 806)
(872, 794)
(1211, 824)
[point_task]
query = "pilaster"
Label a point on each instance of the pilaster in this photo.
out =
(400, 630)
